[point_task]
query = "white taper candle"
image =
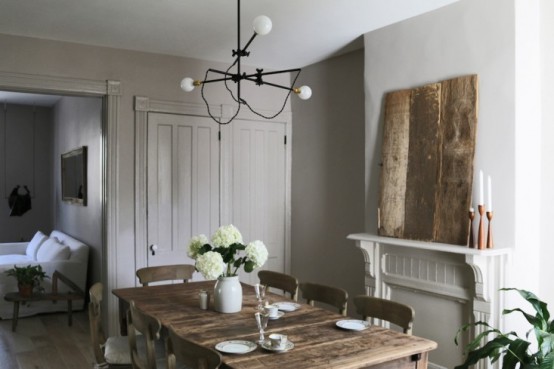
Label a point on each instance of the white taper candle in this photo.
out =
(481, 200)
(489, 188)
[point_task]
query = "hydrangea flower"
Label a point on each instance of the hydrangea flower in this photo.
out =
(210, 265)
(196, 244)
(257, 253)
(222, 257)
(225, 236)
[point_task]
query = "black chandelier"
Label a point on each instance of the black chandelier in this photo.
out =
(262, 26)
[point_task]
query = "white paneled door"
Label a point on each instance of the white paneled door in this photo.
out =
(183, 184)
(184, 196)
(258, 187)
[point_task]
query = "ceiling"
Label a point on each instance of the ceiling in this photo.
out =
(304, 31)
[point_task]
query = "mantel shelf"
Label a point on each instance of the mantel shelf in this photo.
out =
(439, 270)
(422, 245)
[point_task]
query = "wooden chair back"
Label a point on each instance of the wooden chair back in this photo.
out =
(333, 296)
(189, 353)
(391, 311)
(165, 273)
(281, 281)
(97, 335)
(150, 329)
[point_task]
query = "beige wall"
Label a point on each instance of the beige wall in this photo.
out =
(152, 75)
(328, 175)
(77, 123)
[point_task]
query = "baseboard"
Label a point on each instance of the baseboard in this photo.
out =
(435, 366)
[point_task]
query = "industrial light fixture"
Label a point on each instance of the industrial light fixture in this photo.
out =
(262, 26)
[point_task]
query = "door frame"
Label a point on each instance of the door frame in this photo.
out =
(144, 105)
(110, 91)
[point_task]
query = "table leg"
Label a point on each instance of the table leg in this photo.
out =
(123, 307)
(69, 313)
(15, 315)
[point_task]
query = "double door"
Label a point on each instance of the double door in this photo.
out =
(200, 178)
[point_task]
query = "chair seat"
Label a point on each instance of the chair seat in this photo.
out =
(116, 351)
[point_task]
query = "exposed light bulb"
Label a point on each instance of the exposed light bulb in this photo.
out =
(187, 84)
(304, 92)
(262, 25)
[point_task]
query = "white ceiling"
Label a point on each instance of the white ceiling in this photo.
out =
(304, 31)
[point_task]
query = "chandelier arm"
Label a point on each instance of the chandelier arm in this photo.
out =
(282, 107)
(243, 51)
(274, 72)
(226, 73)
(218, 121)
(217, 80)
(271, 84)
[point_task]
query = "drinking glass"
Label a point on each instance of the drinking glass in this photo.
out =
(260, 295)
(261, 320)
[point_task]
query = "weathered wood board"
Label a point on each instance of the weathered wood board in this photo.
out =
(428, 151)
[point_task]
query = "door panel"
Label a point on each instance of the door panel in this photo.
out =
(183, 184)
(258, 188)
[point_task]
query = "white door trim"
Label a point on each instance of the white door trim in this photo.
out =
(111, 92)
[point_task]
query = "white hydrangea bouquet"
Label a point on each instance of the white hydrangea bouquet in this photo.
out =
(221, 258)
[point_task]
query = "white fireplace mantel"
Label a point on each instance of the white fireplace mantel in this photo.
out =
(437, 269)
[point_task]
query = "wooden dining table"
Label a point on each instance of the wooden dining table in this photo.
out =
(318, 341)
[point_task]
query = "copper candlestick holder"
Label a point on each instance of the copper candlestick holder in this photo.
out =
(489, 231)
(471, 240)
(481, 232)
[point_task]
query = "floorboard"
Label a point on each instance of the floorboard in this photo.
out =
(46, 342)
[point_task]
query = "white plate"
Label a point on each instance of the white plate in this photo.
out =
(267, 345)
(353, 325)
(287, 306)
(279, 314)
(236, 347)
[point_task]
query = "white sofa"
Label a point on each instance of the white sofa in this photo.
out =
(55, 252)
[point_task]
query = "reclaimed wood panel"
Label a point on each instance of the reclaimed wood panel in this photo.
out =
(318, 342)
(458, 132)
(423, 163)
(428, 150)
(395, 163)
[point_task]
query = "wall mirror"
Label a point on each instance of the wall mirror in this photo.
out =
(74, 176)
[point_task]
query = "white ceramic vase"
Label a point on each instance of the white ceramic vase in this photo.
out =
(228, 295)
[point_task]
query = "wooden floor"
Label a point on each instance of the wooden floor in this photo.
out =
(46, 342)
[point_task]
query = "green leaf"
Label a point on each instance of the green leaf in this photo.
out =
(249, 266)
(491, 350)
(516, 353)
(539, 306)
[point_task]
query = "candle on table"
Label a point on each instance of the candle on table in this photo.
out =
(489, 185)
(481, 201)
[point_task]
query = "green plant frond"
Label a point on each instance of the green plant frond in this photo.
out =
(491, 349)
(204, 249)
(516, 353)
(539, 306)
(465, 327)
(532, 319)
(546, 342)
(476, 342)
(548, 361)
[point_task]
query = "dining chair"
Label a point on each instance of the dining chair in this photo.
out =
(165, 273)
(391, 311)
(333, 296)
(281, 281)
(186, 352)
(152, 354)
(112, 351)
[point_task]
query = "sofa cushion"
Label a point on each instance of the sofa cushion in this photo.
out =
(34, 245)
(52, 250)
(9, 260)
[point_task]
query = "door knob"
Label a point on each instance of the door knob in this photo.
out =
(153, 249)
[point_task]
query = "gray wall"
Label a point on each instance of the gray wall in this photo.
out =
(141, 74)
(328, 175)
(26, 159)
(78, 122)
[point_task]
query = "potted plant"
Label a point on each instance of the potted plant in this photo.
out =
(28, 277)
(514, 350)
